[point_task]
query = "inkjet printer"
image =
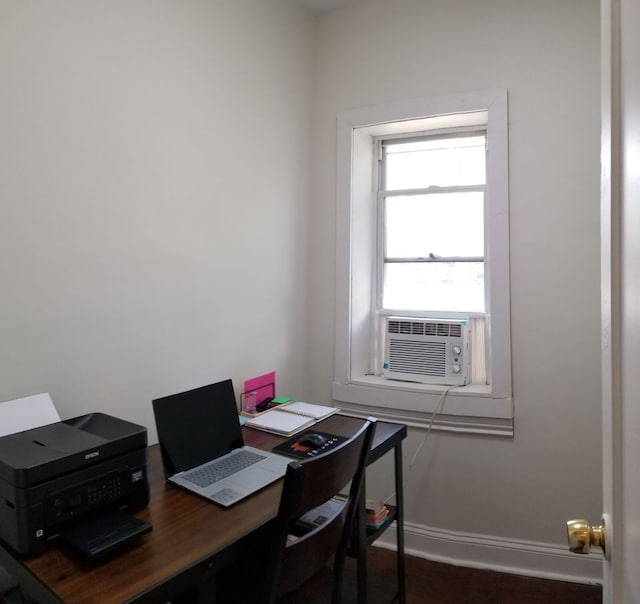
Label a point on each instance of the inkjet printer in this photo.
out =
(56, 477)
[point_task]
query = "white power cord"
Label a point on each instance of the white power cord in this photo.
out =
(438, 409)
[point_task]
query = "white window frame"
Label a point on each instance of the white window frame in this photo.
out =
(474, 408)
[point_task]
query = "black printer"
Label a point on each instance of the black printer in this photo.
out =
(52, 476)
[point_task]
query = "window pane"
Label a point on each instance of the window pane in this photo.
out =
(446, 286)
(443, 224)
(436, 162)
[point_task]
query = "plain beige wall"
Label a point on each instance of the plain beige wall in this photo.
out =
(153, 198)
(546, 54)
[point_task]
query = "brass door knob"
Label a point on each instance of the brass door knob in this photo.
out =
(582, 536)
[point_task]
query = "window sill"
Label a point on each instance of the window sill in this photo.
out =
(472, 409)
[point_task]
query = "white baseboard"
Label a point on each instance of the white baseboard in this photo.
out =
(547, 561)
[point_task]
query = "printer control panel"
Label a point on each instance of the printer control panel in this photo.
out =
(79, 499)
(108, 489)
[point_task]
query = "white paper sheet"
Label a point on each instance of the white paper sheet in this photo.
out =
(26, 413)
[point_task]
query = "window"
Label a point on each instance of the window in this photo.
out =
(423, 232)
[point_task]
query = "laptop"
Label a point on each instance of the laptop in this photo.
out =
(200, 438)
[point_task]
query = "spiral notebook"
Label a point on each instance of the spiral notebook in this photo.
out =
(290, 418)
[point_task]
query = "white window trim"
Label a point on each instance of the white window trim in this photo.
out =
(484, 409)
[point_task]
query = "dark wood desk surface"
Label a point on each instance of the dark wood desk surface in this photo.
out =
(190, 537)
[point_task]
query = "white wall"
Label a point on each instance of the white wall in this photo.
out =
(478, 500)
(153, 198)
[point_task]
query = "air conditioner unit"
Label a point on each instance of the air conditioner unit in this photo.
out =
(433, 351)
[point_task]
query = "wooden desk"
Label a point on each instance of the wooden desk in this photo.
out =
(190, 541)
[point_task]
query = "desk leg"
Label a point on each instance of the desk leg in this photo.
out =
(400, 523)
(361, 537)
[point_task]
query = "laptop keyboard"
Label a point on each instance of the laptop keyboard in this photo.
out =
(222, 468)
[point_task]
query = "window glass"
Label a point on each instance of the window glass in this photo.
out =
(443, 162)
(433, 246)
(435, 225)
(435, 286)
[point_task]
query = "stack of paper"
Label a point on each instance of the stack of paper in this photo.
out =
(27, 413)
(376, 512)
(277, 422)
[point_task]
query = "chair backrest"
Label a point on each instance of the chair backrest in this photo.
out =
(307, 485)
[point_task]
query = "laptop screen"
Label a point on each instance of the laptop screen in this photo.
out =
(197, 426)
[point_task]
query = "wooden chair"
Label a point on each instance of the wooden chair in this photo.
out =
(288, 563)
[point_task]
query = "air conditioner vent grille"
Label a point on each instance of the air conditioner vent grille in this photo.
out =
(418, 358)
(425, 328)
